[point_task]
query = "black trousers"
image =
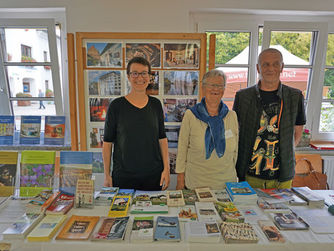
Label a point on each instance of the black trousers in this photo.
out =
(147, 183)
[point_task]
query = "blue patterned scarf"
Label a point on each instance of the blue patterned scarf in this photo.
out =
(215, 132)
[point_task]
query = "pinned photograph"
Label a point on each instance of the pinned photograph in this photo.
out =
(153, 86)
(181, 83)
(172, 133)
(104, 83)
(181, 55)
(96, 137)
(172, 159)
(104, 54)
(174, 109)
(98, 108)
(149, 51)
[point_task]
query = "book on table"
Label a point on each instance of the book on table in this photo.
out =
(238, 233)
(288, 221)
(142, 229)
(241, 193)
(46, 228)
(271, 231)
(30, 131)
(78, 228)
(7, 129)
(222, 195)
(175, 198)
(35, 205)
(22, 226)
(74, 166)
(272, 207)
(206, 211)
(167, 229)
(205, 194)
(8, 167)
(126, 192)
(84, 194)
(149, 202)
(228, 212)
(189, 196)
(37, 172)
(280, 196)
(187, 213)
(111, 229)
(61, 204)
(313, 200)
(105, 196)
(119, 206)
(202, 231)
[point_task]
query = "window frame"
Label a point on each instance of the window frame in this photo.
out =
(250, 21)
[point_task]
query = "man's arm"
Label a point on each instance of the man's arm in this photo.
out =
(298, 133)
(165, 175)
(106, 152)
(180, 181)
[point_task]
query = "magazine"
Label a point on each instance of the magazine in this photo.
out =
(202, 232)
(7, 128)
(30, 130)
(288, 221)
(8, 167)
(167, 229)
(111, 229)
(54, 133)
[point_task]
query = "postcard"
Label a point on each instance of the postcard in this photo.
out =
(104, 54)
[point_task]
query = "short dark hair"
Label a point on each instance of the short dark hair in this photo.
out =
(138, 60)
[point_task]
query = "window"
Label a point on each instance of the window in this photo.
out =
(25, 52)
(303, 42)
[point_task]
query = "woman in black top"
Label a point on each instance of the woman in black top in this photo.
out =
(134, 126)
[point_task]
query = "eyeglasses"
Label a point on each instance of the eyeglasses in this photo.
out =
(135, 74)
(211, 86)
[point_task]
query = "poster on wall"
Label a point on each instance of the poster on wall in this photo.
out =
(98, 108)
(174, 109)
(149, 51)
(181, 55)
(96, 137)
(104, 54)
(104, 83)
(172, 133)
(180, 82)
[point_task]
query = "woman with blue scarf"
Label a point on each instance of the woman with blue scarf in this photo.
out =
(208, 141)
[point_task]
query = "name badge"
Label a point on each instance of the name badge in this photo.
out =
(228, 134)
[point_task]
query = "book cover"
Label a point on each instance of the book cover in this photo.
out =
(8, 167)
(149, 202)
(46, 229)
(288, 221)
(105, 195)
(54, 133)
(61, 205)
(187, 213)
(7, 128)
(241, 192)
(271, 231)
(78, 228)
(119, 206)
(238, 233)
(272, 207)
(175, 198)
(202, 232)
(189, 196)
(206, 212)
(275, 195)
(84, 194)
(204, 194)
(35, 204)
(167, 229)
(21, 227)
(30, 130)
(74, 166)
(221, 195)
(313, 200)
(37, 172)
(142, 229)
(111, 229)
(228, 212)
(126, 192)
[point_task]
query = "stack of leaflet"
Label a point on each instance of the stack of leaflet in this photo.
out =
(105, 196)
(241, 193)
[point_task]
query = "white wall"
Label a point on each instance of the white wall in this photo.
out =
(154, 15)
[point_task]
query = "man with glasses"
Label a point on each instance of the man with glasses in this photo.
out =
(134, 126)
(271, 118)
(208, 141)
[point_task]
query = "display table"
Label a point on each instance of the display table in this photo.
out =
(296, 239)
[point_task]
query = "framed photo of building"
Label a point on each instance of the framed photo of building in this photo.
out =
(174, 109)
(149, 51)
(181, 55)
(104, 54)
(181, 82)
(104, 83)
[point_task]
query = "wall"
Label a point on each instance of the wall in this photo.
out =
(154, 15)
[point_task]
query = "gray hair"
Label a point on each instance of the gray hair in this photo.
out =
(214, 73)
(270, 50)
